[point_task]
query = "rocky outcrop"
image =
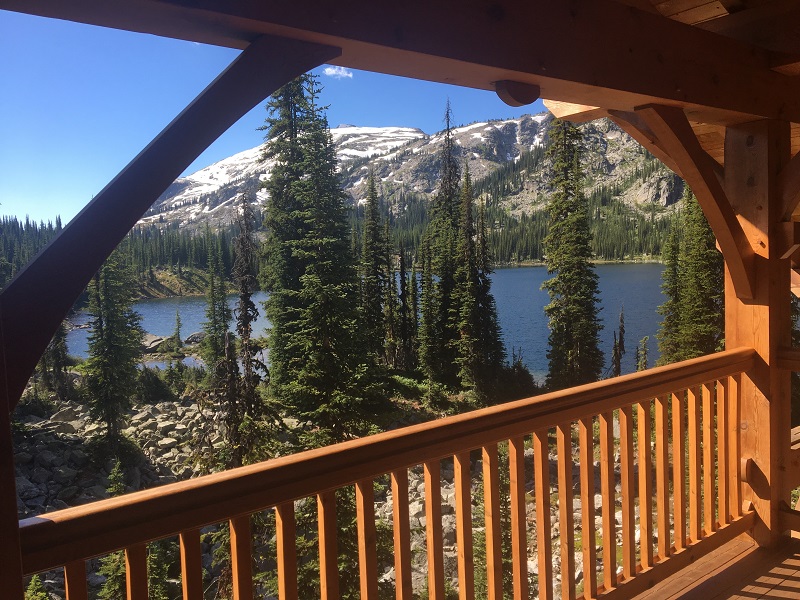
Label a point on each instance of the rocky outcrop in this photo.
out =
(57, 468)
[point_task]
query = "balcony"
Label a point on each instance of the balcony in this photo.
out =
(652, 462)
(655, 480)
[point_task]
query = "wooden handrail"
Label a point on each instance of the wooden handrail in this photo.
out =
(50, 540)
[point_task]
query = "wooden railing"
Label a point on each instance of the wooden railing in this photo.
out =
(663, 444)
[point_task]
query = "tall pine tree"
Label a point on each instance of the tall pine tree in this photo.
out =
(319, 363)
(694, 312)
(574, 354)
(115, 345)
(373, 273)
(438, 340)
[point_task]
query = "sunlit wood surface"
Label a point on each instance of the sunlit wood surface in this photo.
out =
(738, 570)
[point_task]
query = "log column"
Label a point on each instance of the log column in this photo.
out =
(755, 153)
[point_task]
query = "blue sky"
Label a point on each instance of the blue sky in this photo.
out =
(77, 103)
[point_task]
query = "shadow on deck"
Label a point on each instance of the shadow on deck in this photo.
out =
(737, 570)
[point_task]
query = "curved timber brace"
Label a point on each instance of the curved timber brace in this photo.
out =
(670, 133)
(47, 288)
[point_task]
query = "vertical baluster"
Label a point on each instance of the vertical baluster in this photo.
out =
(735, 396)
(709, 466)
(327, 526)
(586, 440)
(565, 519)
(627, 493)
(433, 530)
(607, 490)
(519, 543)
(367, 545)
(286, 542)
(541, 457)
(695, 491)
(645, 484)
(462, 468)
(662, 476)
(136, 572)
(679, 469)
(75, 585)
(723, 456)
(402, 535)
(191, 564)
(491, 504)
(241, 558)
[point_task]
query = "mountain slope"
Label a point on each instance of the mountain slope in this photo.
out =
(406, 162)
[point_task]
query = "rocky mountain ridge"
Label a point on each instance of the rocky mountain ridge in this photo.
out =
(406, 162)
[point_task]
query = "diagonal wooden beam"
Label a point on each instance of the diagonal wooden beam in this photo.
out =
(634, 126)
(34, 303)
(700, 171)
(594, 52)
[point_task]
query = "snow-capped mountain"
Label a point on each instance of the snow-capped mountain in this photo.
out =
(406, 160)
(208, 194)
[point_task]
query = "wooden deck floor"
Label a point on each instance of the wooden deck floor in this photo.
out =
(739, 570)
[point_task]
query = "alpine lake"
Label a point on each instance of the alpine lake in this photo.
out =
(634, 287)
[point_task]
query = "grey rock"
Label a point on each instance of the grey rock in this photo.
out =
(167, 443)
(68, 413)
(68, 493)
(46, 459)
(64, 475)
(25, 489)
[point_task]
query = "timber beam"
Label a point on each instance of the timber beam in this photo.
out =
(592, 52)
(673, 134)
(38, 298)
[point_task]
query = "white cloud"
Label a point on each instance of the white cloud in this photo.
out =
(338, 72)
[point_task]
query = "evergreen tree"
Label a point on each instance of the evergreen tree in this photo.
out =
(218, 313)
(114, 346)
(36, 590)
(319, 364)
(54, 362)
(574, 354)
(439, 364)
(641, 354)
(669, 333)
(491, 351)
(464, 312)
(374, 270)
(693, 314)
(406, 359)
(112, 567)
(391, 308)
(702, 286)
(177, 340)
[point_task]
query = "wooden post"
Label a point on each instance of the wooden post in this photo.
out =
(10, 557)
(755, 153)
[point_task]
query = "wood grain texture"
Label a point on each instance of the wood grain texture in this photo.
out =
(286, 547)
(136, 572)
(462, 471)
(541, 492)
(191, 564)
(565, 508)
(367, 541)
(75, 584)
(519, 516)
(589, 549)
(402, 535)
